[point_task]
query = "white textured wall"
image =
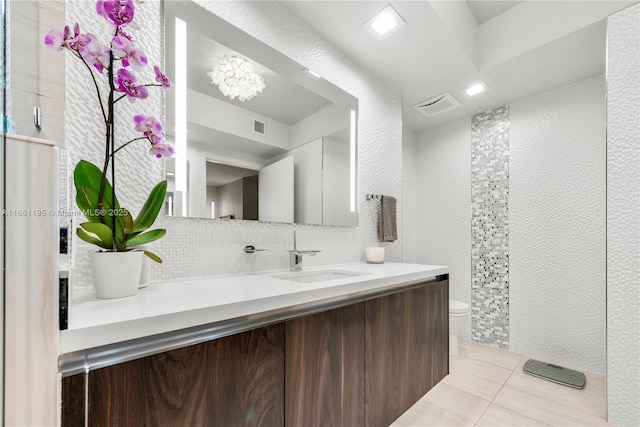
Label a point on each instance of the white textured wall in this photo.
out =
(443, 204)
(623, 217)
(557, 225)
(409, 194)
(194, 247)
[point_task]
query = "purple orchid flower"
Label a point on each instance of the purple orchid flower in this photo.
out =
(59, 40)
(161, 77)
(94, 52)
(130, 55)
(54, 39)
(161, 150)
(120, 32)
(78, 40)
(127, 83)
(119, 12)
(150, 127)
(100, 9)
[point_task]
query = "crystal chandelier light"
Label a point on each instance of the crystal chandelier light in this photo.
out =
(236, 77)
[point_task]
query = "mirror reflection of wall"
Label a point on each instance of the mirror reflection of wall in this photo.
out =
(336, 197)
(290, 111)
(232, 192)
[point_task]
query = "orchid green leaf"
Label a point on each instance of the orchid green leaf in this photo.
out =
(87, 201)
(153, 256)
(90, 239)
(88, 175)
(128, 223)
(103, 232)
(151, 208)
(147, 237)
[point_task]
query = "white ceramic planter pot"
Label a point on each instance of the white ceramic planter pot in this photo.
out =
(116, 274)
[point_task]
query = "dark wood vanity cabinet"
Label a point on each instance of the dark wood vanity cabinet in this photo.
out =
(324, 369)
(366, 364)
(233, 381)
(363, 364)
(406, 350)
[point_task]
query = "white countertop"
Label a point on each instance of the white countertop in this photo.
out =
(173, 305)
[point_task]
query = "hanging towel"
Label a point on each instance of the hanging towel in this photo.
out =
(387, 230)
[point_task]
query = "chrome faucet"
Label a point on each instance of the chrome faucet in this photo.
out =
(295, 255)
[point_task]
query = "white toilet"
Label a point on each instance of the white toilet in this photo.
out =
(458, 314)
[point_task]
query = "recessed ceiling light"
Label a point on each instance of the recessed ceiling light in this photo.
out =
(384, 23)
(476, 88)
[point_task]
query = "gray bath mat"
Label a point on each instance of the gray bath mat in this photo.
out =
(554, 373)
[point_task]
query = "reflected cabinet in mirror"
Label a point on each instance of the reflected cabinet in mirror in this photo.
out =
(257, 135)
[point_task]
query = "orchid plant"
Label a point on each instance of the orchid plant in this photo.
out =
(110, 226)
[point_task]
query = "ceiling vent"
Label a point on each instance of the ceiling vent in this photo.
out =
(258, 127)
(437, 105)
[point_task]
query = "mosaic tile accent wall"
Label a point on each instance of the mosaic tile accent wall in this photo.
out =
(490, 227)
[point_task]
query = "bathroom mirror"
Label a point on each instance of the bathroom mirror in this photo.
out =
(285, 153)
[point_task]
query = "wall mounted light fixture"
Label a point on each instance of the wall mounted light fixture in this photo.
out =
(180, 84)
(235, 76)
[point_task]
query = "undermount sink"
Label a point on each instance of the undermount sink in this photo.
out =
(316, 276)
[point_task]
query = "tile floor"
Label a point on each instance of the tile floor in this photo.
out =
(486, 387)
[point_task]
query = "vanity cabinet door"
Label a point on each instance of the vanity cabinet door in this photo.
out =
(406, 350)
(73, 403)
(324, 372)
(233, 381)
